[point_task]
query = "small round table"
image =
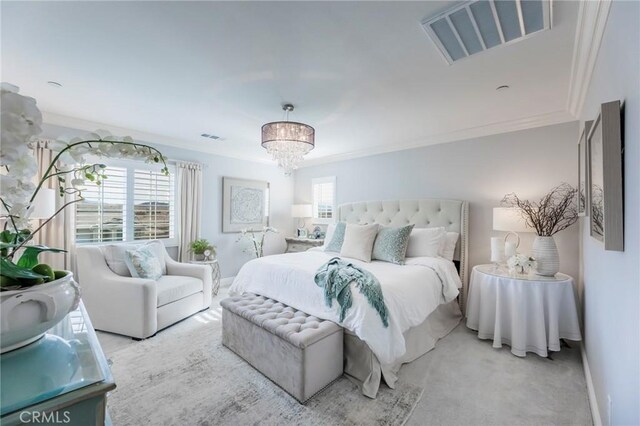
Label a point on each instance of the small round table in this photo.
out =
(215, 272)
(530, 313)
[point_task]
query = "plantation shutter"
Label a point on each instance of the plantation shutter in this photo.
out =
(324, 190)
(153, 205)
(101, 216)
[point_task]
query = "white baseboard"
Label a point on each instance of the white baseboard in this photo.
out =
(593, 402)
(226, 282)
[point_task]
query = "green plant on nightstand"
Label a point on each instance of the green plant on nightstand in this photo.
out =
(202, 249)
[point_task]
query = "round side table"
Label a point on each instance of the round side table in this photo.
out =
(215, 272)
(529, 313)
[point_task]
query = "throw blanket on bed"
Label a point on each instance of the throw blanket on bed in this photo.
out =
(336, 277)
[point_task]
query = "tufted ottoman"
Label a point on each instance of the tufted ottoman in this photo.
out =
(300, 353)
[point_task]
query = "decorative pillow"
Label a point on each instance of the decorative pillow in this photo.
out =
(448, 245)
(115, 256)
(143, 263)
(425, 242)
(331, 229)
(335, 244)
(358, 241)
(391, 244)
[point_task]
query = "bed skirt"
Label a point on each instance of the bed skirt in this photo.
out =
(363, 368)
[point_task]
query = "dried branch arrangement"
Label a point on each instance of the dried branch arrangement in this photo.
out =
(554, 212)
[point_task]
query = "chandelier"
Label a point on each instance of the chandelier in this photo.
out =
(287, 141)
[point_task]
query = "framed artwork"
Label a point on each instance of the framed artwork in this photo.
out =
(245, 204)
(605, 177)
(583, 171)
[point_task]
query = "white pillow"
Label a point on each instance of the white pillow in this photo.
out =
(448, 245)
(115, 256)
(425, 242)
(358, 241)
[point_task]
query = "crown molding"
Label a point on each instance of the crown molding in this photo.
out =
(548, 119)
(141, 136)
(592, 20)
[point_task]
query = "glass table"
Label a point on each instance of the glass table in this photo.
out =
(62, 376)
(502, 271)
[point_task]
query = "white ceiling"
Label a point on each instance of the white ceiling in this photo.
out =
(364, 74)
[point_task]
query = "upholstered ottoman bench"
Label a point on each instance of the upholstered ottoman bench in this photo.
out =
(300, 353)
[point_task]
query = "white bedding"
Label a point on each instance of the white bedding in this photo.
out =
(411, 292)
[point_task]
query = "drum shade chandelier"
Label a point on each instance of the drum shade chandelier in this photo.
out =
(287, 141)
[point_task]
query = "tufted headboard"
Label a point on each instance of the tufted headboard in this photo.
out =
(423, 213)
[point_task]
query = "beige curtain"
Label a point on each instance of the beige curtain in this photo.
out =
(190, 199)
(58, 232)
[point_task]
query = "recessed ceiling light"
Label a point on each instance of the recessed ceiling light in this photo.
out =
(503, 87)
(54, 84)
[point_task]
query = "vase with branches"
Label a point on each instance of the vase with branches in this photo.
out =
(75, 161)
(554, 212)
(256, 238)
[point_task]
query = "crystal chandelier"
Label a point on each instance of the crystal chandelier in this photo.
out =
(287, 141)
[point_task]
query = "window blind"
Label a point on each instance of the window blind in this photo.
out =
(101, 216)
(324, 198)
(153, 206)
(133, 203)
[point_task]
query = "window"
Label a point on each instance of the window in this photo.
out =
(324, 199)
(153, 207)
(102, 215)
(133, 203)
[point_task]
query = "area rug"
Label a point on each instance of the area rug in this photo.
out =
(184, 375)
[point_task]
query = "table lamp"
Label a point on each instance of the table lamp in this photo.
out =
(510, 220)
(44, 205)
(301, 211)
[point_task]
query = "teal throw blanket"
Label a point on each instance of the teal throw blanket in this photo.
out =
(335, 277)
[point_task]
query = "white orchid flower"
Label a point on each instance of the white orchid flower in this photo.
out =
(58, 145)
(78, 184)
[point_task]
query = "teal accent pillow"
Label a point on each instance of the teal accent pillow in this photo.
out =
(338, 238)
(143, 263)
(391, 244)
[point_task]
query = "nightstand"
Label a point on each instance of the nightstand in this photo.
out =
(530, 313)
(215, 273)
(295, 245)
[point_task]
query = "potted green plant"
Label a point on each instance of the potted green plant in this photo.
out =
(202, 249)
(33, 296)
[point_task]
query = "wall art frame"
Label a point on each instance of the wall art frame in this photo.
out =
(245, 204)
(606, 179)
(583, 171)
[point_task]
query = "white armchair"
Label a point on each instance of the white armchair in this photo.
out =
(139, 307)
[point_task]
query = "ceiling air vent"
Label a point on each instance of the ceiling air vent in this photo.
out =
(475, 26)
(214, 137)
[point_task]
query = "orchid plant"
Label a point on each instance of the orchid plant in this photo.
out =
(73, 164)
(521, 263)
(256, 238)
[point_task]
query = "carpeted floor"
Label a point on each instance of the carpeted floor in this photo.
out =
(184, 375)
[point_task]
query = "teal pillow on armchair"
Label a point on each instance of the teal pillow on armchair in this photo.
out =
(143, 263)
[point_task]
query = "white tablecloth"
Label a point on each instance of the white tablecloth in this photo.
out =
(528, 315)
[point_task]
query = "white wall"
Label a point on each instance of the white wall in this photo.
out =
(612, 279)
(481, 171)
(230, 253)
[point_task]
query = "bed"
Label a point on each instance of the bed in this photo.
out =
(424, 297)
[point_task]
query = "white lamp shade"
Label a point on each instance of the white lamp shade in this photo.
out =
(44, 205)
(509, 219)
(301, 210)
